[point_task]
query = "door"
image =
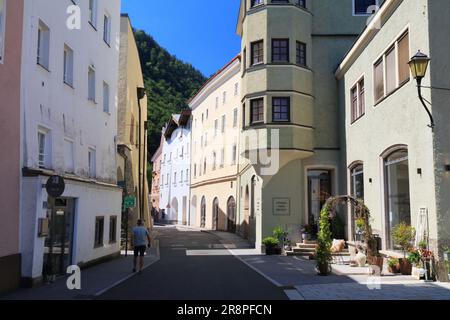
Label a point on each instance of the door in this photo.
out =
(319, 191)
(59, 242)
(216, 214)
(231, 215)
(203, 213)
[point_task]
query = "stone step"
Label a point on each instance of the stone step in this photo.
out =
(305, 250)
(309, 256)
(301, 245)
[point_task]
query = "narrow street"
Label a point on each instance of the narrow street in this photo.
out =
(194, 265)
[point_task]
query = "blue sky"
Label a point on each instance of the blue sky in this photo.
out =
(201, 32)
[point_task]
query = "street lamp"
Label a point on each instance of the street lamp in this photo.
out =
(140, 95)
(419, 65)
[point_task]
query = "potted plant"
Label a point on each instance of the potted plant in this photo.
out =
(415, 258)
(271, 244)
(393, 265)
(282, 236)
(288, 245)
(403, 235)
(306, 231)
(323, 254)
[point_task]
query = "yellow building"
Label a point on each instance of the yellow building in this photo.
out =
(214, 147)
(132, 116)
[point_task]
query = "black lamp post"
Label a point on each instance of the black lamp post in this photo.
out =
(419, 65)
(140, 95)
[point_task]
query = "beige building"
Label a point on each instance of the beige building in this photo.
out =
(290, 146)
(132, 117)
(215, 141)
(394, 161)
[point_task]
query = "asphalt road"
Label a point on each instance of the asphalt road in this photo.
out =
(202, 275)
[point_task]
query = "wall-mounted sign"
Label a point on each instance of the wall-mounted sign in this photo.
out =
(282, 206)
(129, 202)
(55, 186)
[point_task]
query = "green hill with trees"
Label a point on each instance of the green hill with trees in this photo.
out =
(169, 83)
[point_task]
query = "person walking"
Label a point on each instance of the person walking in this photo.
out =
(141, 239)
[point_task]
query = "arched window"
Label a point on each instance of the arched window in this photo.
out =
(357, 181)
(203, 213)
(397, 192)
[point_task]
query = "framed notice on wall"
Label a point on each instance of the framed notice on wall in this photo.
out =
(282, 206)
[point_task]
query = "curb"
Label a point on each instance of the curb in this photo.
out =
(119, 282)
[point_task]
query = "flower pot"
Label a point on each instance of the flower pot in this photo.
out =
(394, 269)
(405, 267)
(377, 261)
(323, 269)
(306, 237)
(270, 251)
(361, 259)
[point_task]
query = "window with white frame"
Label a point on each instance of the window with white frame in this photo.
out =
(217, 102)
(224, 119)
(91, 83)
(68, 65)
(236, 89)
(234, 155)
(224, 99)
(105, 97)
(392, 71)
(107, 29)
(92, 162)
(235, 118)
(358, 104)
(364, 7)
(2, 28)
(216, 127)
(44, 148)
(43, 46)
(187, 175)
(93, 13)
(68, 156)
(222, 158)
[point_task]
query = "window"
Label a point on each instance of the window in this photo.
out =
(195, 170)
(92, 163)
(361, 7)
(357, 182)
(244, 60)
(217, 102)
(281, 110)
(91, 83)
(255, 3)
(204, 166)
(224, 100)
(235, 118)
(236, 89)
(167, 181)
(234, 155)
(207, 114)
(107, 29)
(105, 97)
(113, 229)
(280, 50)
(175, 178)
(93, 13)
(99, 229)
(132, 133)
(216, 127)
(68, 156)
(243, 115)
(397, 192)
(301, 3)
(301, 54)
(379, 80)
(214, 161)
(403, 59)
(2, 29)
(181, 176)
(224, 118)
(44, 148)
(222, 158)
(68, 65)
(43, 47)
(257, 111)
(358, 100)
(257, 52)
(392, 69)
(206, 139)
(187, 175)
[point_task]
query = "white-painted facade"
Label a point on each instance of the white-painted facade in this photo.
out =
(175, 172)
(64, 133)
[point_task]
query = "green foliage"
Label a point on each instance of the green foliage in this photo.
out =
(393, 262)
(338, 228)
(360, 223)
(271, 242)
(279, 233)
(324, 237)
(403, 235)
(169, 83)
(414, 257)
(423, 245)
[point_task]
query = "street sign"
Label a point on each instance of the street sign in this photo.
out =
(129, 202)
(55, 186)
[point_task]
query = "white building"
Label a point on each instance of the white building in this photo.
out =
(175, 173)
(69, 103)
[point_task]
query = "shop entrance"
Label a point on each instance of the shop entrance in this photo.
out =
(59, 242)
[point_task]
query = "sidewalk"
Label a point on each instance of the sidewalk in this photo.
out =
(298, 278)
(94, 281)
